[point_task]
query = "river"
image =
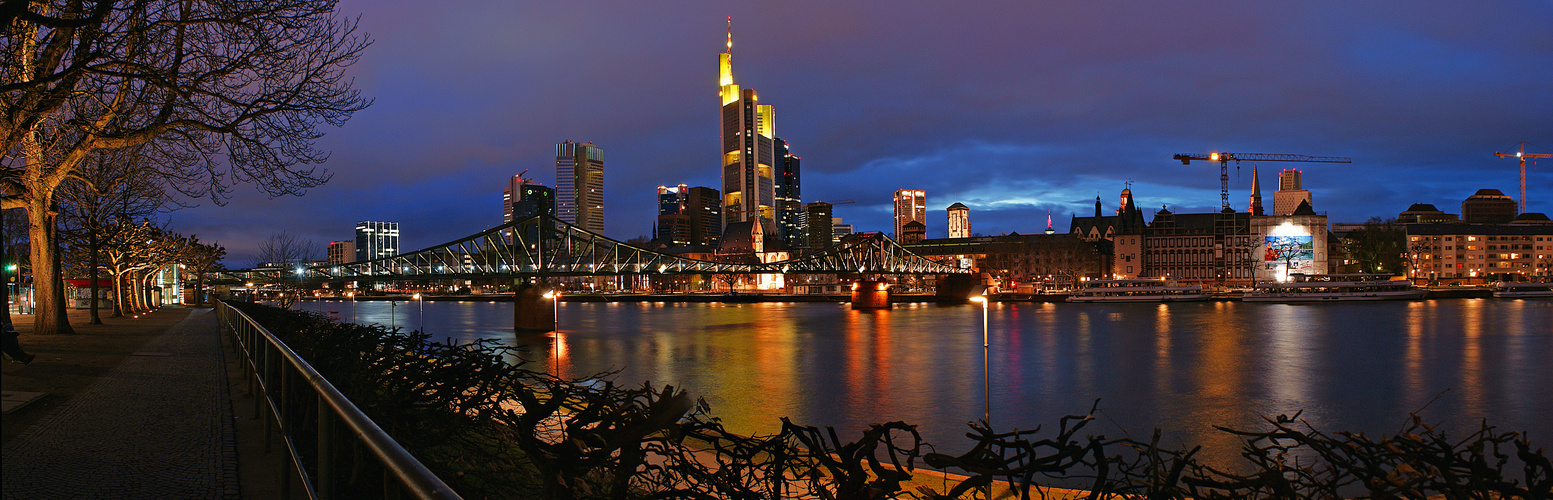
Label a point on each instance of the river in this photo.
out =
(1182, 367)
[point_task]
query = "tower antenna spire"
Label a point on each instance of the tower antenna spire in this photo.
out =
(730, 34)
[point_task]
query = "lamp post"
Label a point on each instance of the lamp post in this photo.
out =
(555, 303)
(352, 296)
(422, 314)
(986, 375)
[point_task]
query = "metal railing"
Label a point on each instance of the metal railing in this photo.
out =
(278, 374)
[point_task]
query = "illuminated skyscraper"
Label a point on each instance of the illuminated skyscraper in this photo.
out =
(748, 152)
(959, 220)
(579, 185)
(376, 239)
(910, 205)
(790, 211)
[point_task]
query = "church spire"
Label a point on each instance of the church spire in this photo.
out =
(1256, 192)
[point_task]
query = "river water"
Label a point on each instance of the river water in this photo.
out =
(1183, 367)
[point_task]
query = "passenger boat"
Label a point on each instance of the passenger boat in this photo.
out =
(1334, 288)
(1137, 290)
(1523, 289)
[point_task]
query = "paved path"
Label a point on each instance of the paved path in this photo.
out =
(159, 425)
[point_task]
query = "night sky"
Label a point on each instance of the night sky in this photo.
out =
(1012, 108)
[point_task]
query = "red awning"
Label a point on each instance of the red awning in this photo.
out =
(87, 283)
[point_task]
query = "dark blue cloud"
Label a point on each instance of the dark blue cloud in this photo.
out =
(1014, 108)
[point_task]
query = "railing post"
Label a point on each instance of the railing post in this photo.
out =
(283, 421)
(324, 477)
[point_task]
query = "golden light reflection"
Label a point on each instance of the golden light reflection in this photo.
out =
(1162, 349)
(1472, 356)
(1413, 355)
(1218, 371)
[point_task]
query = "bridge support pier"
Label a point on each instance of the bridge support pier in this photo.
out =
(532, 311)
(870, 294)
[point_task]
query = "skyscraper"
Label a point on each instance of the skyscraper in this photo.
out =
(820, 233)
(1289, 193)
(910, 205)
(704, 206)
(790, 212)
(674, 226)
(959, 220)
(579, 185)
(376, 239)
(748, 153)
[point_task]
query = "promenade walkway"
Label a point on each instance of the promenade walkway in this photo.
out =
(157, 425)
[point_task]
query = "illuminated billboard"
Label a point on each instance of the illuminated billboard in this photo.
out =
(1287, 255)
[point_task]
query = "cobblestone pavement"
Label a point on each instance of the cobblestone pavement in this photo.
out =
(159, 425)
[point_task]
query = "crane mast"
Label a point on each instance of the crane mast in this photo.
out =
(1523, 155)
(1225, 158)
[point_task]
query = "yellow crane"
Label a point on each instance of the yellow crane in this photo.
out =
(1523, 155)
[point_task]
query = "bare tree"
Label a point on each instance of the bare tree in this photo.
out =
(220, 91)
(286, 248)
(109, 187)
(201, 259)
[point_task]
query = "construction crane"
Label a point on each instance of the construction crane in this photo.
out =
(1224, 159)
(1523, 155)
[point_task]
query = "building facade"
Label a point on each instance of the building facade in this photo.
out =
(342, 252)
(1289, 244)
(910, 205)
(748, 152)
(674, 227)
(959, 220)
(376, 239)
(1489, 206)
(820, 234)
(791, 217)
(1290, 193)
(703, 207)
(579, 185)
(1480, 253)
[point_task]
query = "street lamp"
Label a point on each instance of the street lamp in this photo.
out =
(422, 315)
(352, 296)
(555, 303)
(986, 374)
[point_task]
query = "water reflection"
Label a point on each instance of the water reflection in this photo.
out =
(1183, 367)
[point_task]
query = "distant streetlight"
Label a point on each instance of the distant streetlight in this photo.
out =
(555, 304)
(422, 316)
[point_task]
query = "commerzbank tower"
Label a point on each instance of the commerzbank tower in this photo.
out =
(748, 152)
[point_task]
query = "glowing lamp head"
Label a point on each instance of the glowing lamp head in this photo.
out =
(1213, 156)
(980, 299)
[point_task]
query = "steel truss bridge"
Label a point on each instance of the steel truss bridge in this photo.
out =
(545, 246)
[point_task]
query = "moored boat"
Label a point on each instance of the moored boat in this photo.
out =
(1137, 290)
(1523, 289)
(1334, 288)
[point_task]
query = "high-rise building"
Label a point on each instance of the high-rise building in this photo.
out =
(579, 185)
(524, 198)
(959, 220)
(790, 212)
(910, 205)
(748, 153)
(1489, 206)
(674, 226)
(820, 232)
(376, 240)
(1289, 193)
(838, 230)
(704, 207)
(342, 252)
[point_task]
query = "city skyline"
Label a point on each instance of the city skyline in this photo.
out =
(1034, 109)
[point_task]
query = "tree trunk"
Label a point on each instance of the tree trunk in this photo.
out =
(5, 273)
(48, 285)
(96, 290)
(118, 294)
